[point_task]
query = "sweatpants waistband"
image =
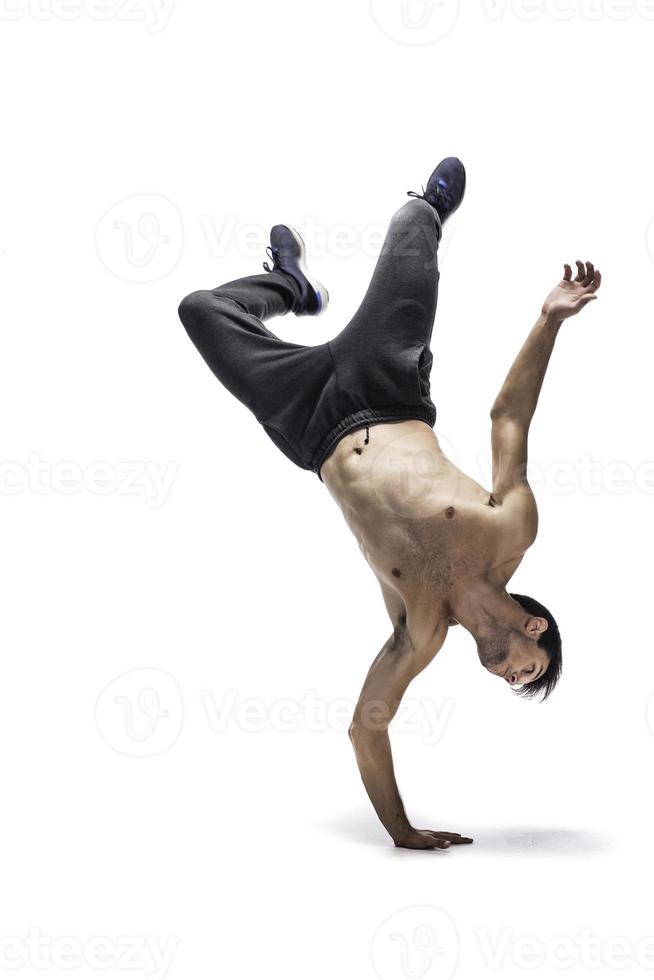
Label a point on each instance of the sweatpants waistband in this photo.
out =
(359, 419)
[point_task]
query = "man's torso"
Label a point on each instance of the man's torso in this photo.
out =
(420, 522)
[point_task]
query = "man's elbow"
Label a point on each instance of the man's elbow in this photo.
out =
(368, 732)
(357, 732)
(509, 424)
(502, 410)
(363, 743)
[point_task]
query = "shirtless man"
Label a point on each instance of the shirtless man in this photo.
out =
(357, 412)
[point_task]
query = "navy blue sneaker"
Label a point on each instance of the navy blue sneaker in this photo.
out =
(288, 254)
(445, 188)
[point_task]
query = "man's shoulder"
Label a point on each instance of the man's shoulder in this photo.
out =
(517, 527)
(426, 626)
(517, 516)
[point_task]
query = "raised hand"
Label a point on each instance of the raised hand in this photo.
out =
(571, 295)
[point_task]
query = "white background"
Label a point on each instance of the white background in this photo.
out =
(252, 849)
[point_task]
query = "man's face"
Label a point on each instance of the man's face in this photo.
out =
(515, 655)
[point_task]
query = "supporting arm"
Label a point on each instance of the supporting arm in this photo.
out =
(392, 671)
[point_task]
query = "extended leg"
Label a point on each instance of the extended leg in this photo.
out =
(385, 347)
(400, 304)
(403, 291)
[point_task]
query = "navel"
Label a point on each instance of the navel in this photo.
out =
(450, 512)
(396, 572)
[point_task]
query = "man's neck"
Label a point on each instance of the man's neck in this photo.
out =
(478, 605)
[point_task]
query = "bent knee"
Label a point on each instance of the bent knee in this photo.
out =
(193, 306)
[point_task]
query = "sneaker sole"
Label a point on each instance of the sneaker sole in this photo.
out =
(320, 290)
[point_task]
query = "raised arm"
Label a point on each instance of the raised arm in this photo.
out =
(516, 403)
(397, 663)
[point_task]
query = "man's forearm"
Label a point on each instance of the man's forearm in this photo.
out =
(375, 761)
(398, 662)
(519, 394)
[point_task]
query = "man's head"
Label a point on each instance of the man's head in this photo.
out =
(528, 656)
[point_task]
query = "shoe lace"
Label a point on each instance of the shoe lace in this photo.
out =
(270, 255)
(415, 194)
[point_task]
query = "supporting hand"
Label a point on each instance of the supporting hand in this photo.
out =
(429, 839)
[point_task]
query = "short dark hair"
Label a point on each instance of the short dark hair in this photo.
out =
(550, 642)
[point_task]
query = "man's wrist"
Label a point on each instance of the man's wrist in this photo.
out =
(402, 834)
(548, 320)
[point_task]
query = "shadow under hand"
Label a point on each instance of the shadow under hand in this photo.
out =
(536, 841)
(360, 828)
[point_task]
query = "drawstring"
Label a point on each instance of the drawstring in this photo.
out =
(358, 449)
(270, 255)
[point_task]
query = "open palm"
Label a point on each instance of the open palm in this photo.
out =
(571, 295)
